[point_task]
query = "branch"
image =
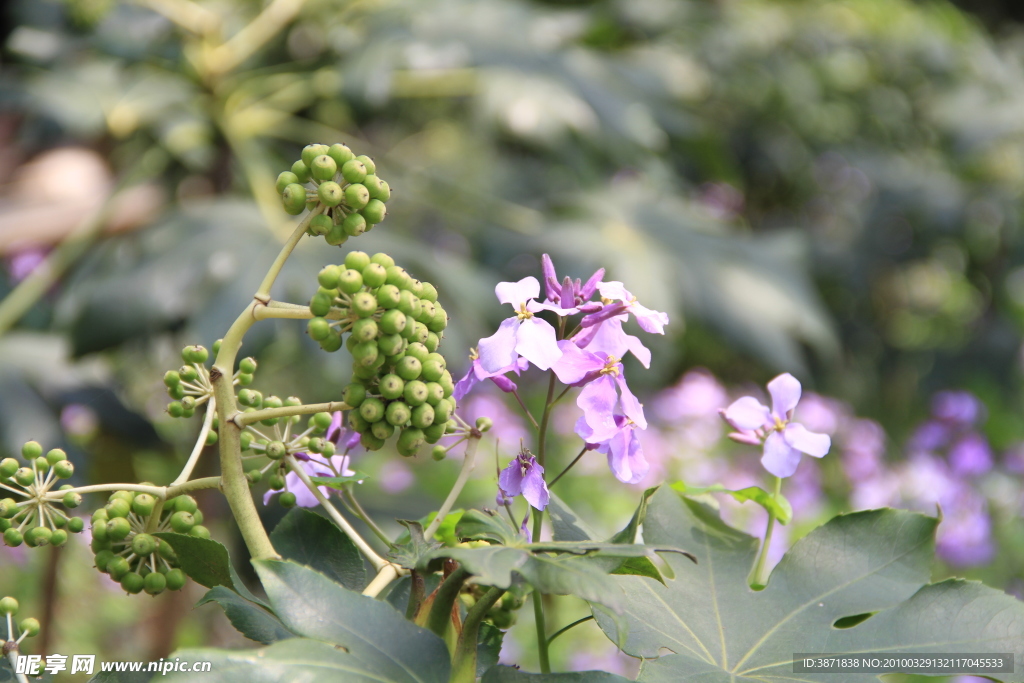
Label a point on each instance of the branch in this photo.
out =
(254, 416)
(197, 450)
(468, 462)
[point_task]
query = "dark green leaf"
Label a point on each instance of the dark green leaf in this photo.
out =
(249, 619)
(479, 525)
(876, 561)
(310, 539)
(412, 549)
(204, 560)
(371, 631)
(778, 505)
(293, 660)
(507, 674)
(488, 648)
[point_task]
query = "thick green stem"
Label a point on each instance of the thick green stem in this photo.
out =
(254, 416)
(538, 520)
(263, 293)
(464, 662)
(757, 579)
(448, 592)
(468, 462)
(388, 573)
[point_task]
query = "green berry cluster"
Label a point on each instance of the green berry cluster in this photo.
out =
(394, 326)
(29, 627)
(190, 385)
(127, 550)
(503, 613)
(33, 519)
(346, 185)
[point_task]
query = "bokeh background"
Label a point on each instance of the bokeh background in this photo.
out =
(830, 188)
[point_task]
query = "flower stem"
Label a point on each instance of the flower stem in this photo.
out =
(568, 467)
(468, 462)
(526, 411)
(566, 628)
(357, 509)
(197, 450)
(448, 592)
(464, 662)
(757, 578)
(385, 575)
(538, 519)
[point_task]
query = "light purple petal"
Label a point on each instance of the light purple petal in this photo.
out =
(536, 306)
(575, 364)
(466, 384)
(779, 457)
(605, 312)
(614, 290)
(537, 342)
(597, 400)
(550, 277)
(336, 428)
(568, 298)
(517, 293)
(785, 391)
(747, 414)
(649, 320)
(499, 350)
(502, 382)
(511, 479)
(626, 457)
(590, 285)
(631, 405)
(798, 437)
(535, 491)
(611, 340)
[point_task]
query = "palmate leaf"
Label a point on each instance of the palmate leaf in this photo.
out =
(877, 562)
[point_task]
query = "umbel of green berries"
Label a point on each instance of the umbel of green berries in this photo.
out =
(28, 627)
(190, 385)
(30, 515)
(346, 185)
(127, 550)
(392, 325)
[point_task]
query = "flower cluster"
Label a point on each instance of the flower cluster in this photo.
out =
(588, 357)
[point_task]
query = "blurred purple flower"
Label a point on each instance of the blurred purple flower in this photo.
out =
(23, 263)
(863, 448)
(930, 436)
(524, 476)
(521, 335)
(79, 420)
(957, 407)
(964, 538)
(697, 394)
(395, 477)
(783, 439)
(971, 455)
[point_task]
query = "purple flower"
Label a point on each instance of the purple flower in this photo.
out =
(521, 335)
(649, 320)
(609, 338)
(569, 296)
(957, 407)
(604, 390)
(971, 455)
(622, 447)
(783, 440)
(524, 476)
(476, 374)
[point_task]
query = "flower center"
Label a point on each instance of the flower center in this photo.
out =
(473, 354)
(522, 313)
(611, 366)
(779, 424)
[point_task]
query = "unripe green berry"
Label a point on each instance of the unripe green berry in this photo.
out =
(434, 393)
(8, 605)
(322, 421)
(389, 296)
(176, 392)
(31, 450)
(408, 303)
(187, 503)
(172, 378)
(439, 453)
(323, 167)
(391, 386)
(8, 508)
(415, 392)
(311, 152)
(318, 329)
(422, 334)
(58, 538)
(133, 583)
(143, 545)
(365, 354)
(176, 579)
(188, 373)
(276, 450)
(182, 522)
(320, 224)
(195, 354)
(102, 558)
(374, 275)
(284, 179)
(330, 193)
(63, 469)
(336, 236)
(356, 422)
(24, 476)
(155, 583)
(357, 197)
(382, 430)
(328, 277)
(286, 499)
(301, 173)
(364, 304)
(250, 397)
(391, 345)
(410, 441)
(42, 464)
(370, 442)
(374, 211)
(443, 411)
(247, 365)
(354, 394)
(8, 466)
(367, 163)
(447, 383)
(422, 415)
(294, 199)
(30, 626)
(397, 413)
(354, 171)
(320, 303)
(350, 281)
(13, 538)
(429, 292)
(432, 370)
(143, 505)
(276, 482)
(357, 260)
(76, 524)
(398, 277)
(199, 531)
(373, 184)
(118, 529)
(117, 567)
(118, 507)
(409, 368)
(434, 432)
(372, 410)
(72, 499)
(38, 536)
(364, 330)
(340, 153)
